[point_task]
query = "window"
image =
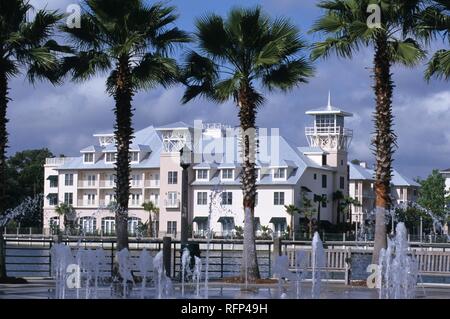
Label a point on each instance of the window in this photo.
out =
(112, 180)
(227, 173)
(280, 228)
(278, 198)
(227, 227)
(315, 176)
(415, 192)
(324, 181)
(342, 162)
(89, 157)
(341, 182)
(133, 224)
(134, 157)
(111, 198)
(108, 225)
(135, 199)
(172, 199)
(279, 173)
(172, 227)
(68, 198)
(256, 199)
(68, 180)
(324, 160)
(202, 198)
(136, 180)
(53, 200)
(202, 174)
(88, 225)
(324, 121)
(110, 157)
(91, 199)
(324, 202)
(172, 178)
(54, 181)
(91, 180)
(227, 198)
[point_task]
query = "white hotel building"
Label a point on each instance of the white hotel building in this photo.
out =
(285, 172)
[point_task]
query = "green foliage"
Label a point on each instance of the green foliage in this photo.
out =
(345, 26)
(411, 217)
(25, 178)
(239, 232)
(245, 47)
(114, 29)
(434, 22)
(25, 44)
(432, 194)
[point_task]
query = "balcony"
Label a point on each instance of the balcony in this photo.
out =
(172, 203)
(137, 184)
(87, 184)
(57, 161)
(87, 203)
(152, 183)
(329, 130)
(107, 184)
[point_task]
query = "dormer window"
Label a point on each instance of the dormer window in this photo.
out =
(110, 157)
(202, 174)
(279, 173)
(89, 158)
(134, 157)
(227, 174)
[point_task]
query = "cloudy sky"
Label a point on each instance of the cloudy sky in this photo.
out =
(64, 118)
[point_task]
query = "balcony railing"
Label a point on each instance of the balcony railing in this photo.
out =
(172, 203)
(107, 184)
(87, 203)
(329, 130)
(56, 161)
(152, 183)
(87, 184)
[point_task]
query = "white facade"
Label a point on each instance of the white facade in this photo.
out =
(361, 188)
(286, 172)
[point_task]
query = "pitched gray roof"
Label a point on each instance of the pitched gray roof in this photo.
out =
(358, 172)
(401, 180)
(146, 137)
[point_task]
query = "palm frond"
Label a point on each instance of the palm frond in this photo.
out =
(288, 75)
(439, 66)
(407, 52)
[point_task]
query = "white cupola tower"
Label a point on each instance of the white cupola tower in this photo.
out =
(329, 132)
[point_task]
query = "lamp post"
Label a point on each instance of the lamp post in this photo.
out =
(185, 162)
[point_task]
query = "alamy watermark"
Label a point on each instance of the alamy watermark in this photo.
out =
(374, 19)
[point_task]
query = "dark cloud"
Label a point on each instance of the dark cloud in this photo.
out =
(64, 118)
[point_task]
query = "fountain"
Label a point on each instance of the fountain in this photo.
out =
(398, 271)
(185, 267)
(317, 265)
(145, 268)
(197, 274)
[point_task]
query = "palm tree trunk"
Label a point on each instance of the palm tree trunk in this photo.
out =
(123, 134)
(150, 226)
(247, 117)
(384, 141)
(3, 145)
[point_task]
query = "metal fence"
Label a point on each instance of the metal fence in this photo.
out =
(30, 257)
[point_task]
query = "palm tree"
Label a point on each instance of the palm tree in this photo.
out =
(151, 208)
(432, 21)
(338, 196)
(308, 211)
(25, 46)
(345, 25)
(130, 40)
(239, 54)
(291, 210)
(65, 211)
(320, 200)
